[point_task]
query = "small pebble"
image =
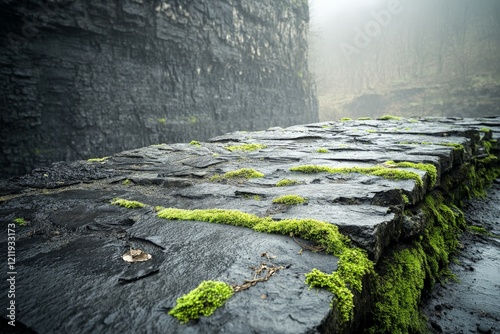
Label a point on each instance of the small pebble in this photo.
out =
(484, 329)
(436, 326)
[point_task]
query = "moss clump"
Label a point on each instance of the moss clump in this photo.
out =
(430, 169)
(345, 119)
(289, 200)
(245, 147)
(389, 118)
(352, 266)
(419, 265)
(485, 130)
(456, 146)
(396, 310)
(405, 198)
(217, 216)
(478, 230)
(126, 182)
(20, 221)
(202, 301)
(287, 183)
(246, 173)
(195, 143)
(387, 173)
(103, 159)
(322, 150)
(127, 204)
(364, 118)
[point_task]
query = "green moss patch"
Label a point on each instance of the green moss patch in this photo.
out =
(202, 301)
(389, 118)
(20, 221)
(217, 216)
(245, 147)
(195, 143)
(352, 266)
(364, 118)
(244, 173)
(387, 173)
(430, 169)
(289, 200)
(322, 150)
(127, 204)
(345, 119)
(406, 272)
(287, 183)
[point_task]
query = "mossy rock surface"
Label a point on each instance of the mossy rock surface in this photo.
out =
(360, 232)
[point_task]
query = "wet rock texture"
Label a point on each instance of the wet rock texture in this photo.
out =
(472, 304)
(71, 275)
(84, 78)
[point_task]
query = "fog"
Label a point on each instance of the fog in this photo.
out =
(405, 57)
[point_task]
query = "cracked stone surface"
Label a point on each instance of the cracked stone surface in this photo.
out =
(71, 277)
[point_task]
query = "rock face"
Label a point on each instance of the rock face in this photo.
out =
(82, 79)
(70, 240)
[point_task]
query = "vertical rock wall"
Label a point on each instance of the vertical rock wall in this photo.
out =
(81, 79)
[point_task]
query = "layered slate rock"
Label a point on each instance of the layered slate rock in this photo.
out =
(81, 78)
(69, 254)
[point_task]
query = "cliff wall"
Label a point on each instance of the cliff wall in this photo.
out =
(80, 79)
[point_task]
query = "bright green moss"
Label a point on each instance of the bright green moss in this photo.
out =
(216, 216)
(343, 299)
(202, 301)
(287, 183)
(352, 266)
(345, 119)
(396, 310)
(243, 173)
(408, 271)
(387, 173)
(127, 204)
(162, 120)
(245, 147)
(487, 146)
(406, 200)
(485, 130)
(20, 221)
(103, 159)
(247, 173)
(430, 169)
(195, 143)
(289, 200)
(364, 118)
(478, 230)
(456, 146)
(126, 182)
(389, 118)
(396, 174)
(322, 150)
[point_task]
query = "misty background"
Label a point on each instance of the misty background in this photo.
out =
(405, 57)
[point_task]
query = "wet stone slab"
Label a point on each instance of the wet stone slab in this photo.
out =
(72, 277)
